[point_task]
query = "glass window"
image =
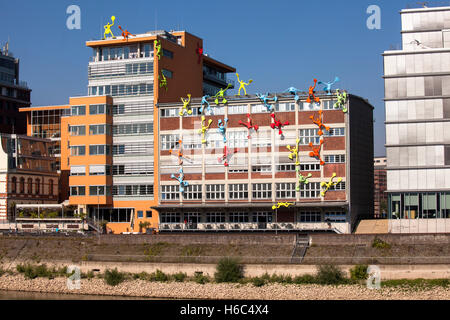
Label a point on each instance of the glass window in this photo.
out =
(238, 191)
(309, 135)
(262, 190)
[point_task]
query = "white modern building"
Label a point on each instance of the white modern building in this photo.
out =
(417, 101)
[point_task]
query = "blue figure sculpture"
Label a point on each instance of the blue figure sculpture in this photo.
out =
(223, 129)
(265, 99)
(293, 91)
(327, 85)
(180, 179)
(205, 101)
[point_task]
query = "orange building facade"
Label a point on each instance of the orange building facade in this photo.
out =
(107, 141)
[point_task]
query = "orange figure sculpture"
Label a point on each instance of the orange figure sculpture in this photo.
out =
(315, 153)
(179, 153)
(125, 33)
(319, 123)
(312, 93)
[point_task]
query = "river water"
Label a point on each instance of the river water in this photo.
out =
(21, 295)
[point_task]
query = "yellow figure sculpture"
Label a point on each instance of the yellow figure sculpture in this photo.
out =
(204, 128)
(329, 184)
(294, 151)
(242, 85)
(108, 28)
(186, 106)
(282, 204)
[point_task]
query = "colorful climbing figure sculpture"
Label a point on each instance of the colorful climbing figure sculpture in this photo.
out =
(341, 100)
(327, 85)
(162, 81)
(180, 179)
(158, 48)
(265, 99)
(179, 153)
(312, 93)
(223, 128)
(205, 101)
(303, 180)
(294, 151)
(315, 153)
(126, 34)
(204, 128)
(249, 124)
(242, 85)
(282, 204)
(327, 185)
(199, 52)
(226, 155)
(186, 108)
(221, 94)
(293, 91)
(278, 124)
(107, 28)
(318, 121)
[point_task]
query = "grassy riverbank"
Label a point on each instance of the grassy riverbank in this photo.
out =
(228, 283)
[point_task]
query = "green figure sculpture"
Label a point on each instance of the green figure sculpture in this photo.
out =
(220, 94)
(341, 100)
(163, 81)
(158, 48)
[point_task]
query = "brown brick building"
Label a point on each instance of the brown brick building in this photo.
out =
(259, 174)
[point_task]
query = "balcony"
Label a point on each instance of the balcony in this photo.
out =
(217, 79)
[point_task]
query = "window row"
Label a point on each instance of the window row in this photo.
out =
(94, 129)
(240, 191)
(113, 70)
(255, 108)
(93, 190)
(31, 185)
(133, 190)
(122, 89)
(133, 128)
(302, 216)
(94, 150)
(117, 190)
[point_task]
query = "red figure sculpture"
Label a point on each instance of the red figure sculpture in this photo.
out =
(199, 52)
(316, 152)
(319, 123)
(311, 93)
(277, 124)
(125, 33)
(249, 125)
(226, 154)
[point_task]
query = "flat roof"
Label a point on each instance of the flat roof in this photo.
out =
(253, 98)
(425, 9)
(38, 108)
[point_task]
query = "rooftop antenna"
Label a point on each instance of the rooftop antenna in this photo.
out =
(424, 4)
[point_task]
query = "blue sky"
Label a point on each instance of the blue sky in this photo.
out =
(278, 44)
